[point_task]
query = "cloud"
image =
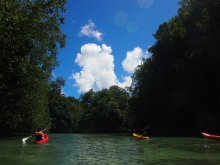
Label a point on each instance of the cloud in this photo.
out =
(89, 31)
(127, 82)
(133, 59)
(97, 67)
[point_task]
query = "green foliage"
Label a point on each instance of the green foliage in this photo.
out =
(107, 110)
(29, 34)
(56, 85)
(65, 112)
(175, 88)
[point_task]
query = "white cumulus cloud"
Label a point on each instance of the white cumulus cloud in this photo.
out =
(126, 83)
(97, 67)
(89, 31)
(133, 59)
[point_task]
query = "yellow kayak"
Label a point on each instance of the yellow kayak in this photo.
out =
(140, 136)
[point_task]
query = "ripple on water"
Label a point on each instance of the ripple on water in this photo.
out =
(68, 149)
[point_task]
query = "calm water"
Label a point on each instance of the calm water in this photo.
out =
(118, 149)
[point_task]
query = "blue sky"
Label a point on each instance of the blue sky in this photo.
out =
(106, 40)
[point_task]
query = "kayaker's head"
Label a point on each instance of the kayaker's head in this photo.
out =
(38, 130)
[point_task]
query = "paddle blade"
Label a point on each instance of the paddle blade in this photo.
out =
(24, 139)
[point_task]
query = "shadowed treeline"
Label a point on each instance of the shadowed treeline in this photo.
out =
(177, 90)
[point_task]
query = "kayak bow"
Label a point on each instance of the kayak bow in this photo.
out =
(140, 136)
(210, 136)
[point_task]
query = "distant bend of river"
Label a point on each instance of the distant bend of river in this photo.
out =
(109, 149)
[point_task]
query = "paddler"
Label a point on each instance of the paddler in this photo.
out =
(39, 135)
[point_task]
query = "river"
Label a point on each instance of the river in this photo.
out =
(109, 149)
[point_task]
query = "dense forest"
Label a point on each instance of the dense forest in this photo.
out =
(176, 91)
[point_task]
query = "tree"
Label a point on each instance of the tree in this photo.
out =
(178, 85)
(106, 110)
(29, 36)
(65, 112)
(56, 85)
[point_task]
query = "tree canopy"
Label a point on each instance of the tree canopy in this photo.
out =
(29, 36)
(177, 89)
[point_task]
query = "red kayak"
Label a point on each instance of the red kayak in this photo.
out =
(44, 140)
(211, 137)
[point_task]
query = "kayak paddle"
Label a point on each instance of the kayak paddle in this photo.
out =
(26, 138)
(146, 127)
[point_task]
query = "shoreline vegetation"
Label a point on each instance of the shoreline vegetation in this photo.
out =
(175, 91)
